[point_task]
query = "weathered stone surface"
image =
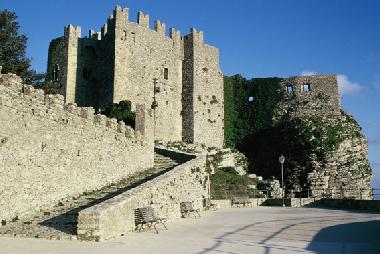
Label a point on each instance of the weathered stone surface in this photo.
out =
(114, 217)
(49, 151)
(121, 62)
(344, 171)
(59, 222)
(321, 98)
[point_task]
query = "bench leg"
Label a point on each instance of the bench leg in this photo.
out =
(154, 225)
(164, 225)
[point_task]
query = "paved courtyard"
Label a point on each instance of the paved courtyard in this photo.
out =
(266, 230)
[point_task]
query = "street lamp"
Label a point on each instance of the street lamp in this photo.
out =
(281, 159)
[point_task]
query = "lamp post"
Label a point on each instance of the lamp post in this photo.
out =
(281, 159)
(156, 90)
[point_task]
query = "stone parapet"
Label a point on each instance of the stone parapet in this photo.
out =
(115, 217)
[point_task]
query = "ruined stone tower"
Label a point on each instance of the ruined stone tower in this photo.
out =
(121, 62)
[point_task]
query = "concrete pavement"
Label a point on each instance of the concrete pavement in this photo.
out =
(266, 230)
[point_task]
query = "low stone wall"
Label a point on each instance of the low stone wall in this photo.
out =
(370, 205)
(226, 203)
(50, 150)
(114, 217)
(289, 202)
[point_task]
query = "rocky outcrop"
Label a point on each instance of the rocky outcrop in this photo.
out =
(345, 172)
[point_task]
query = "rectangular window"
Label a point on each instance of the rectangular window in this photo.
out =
(306, 88)
(166, 73)
(289, 89)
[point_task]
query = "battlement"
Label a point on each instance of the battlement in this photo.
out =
(72, 30)
(159, 27)
(142, 19)
(55, 103)
(196, 35)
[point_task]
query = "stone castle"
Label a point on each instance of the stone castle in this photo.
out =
(177, 76)
(176, 88)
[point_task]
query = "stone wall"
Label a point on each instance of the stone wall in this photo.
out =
(203, 92)
(226, 203)
(57, 63)
(114, 217)
(370, 205)
(121, 61)
(50, 150)
(320, 98)
(141, 55)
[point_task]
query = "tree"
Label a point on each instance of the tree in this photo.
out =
(122, 111)
(12, 47)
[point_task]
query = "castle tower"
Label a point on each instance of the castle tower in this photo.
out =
(202, 96)
(71, 35)
(121, 63)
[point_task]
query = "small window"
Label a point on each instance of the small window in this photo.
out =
(85, 73)
(290, 89)
(166, 73)
(306, 88)
(55, 72)
(250, 98)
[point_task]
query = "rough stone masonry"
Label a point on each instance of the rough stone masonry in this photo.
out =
(120, 63)
(50, 150)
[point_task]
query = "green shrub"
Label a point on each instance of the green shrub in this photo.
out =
(122, 111)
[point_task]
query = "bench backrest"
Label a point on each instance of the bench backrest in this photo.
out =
(186, 206)
(144, 215)
(240, 199)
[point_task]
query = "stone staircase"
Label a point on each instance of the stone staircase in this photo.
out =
(60, 221)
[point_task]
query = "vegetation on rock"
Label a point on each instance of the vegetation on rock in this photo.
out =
(307, 143)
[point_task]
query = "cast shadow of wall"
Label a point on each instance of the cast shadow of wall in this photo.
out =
(356, 237)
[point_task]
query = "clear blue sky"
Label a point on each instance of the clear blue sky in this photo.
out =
(256, 38)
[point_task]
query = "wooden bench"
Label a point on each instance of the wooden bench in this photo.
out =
(187, 208)
(240, 200)
(146, 216)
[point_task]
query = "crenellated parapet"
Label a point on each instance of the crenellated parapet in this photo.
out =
(55, 104)
(159, 27)
(71, 30)
(142, 19)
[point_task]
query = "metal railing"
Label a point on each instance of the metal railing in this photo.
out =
(339, 193)
(225, 193)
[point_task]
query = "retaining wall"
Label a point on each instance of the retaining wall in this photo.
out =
(115, 217)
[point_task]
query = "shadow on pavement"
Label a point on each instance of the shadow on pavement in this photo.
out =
(356, 237)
